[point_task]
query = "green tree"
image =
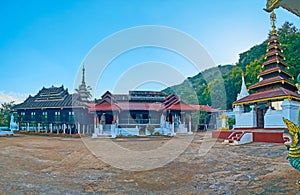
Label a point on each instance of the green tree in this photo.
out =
(289, 36)
(233, 85)
(218, 93)
(5, 112)
(252, 71)
(252, 54)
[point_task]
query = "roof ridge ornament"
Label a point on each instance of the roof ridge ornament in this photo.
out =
(273, 20)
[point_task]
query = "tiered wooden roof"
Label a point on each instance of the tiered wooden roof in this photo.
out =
(172, 102)
(275, 82)
(146, 96)
(109, 102)
(53, 97)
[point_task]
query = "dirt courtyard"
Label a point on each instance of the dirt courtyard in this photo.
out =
(56, 165)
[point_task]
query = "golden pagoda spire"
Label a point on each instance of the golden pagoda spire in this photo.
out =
(273, 20)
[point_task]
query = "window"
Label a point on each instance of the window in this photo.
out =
(57, 116)
(33, 116)
(22, 116)
(71, 116)
(45, 116)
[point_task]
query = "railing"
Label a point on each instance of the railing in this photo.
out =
(139, 121)
(4, 128)
(128, 131)
(237, 135)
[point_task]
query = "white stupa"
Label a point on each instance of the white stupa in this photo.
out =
(244, 92)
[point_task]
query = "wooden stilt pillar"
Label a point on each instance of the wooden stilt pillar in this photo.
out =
(51, 128)
(64, 128)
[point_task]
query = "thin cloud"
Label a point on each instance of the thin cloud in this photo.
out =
(12, 96)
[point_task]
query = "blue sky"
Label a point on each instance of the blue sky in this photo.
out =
(44, 43)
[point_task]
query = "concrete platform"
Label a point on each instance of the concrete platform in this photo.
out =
(259, 135)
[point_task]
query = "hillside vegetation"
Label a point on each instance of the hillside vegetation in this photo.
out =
(219, 86)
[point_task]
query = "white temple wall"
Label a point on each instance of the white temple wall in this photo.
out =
(290, 110)
(273, 119)
(244, 120)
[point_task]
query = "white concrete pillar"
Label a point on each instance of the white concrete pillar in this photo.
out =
(27, 126)
(39, 127)
(83, 129)
(101, 129)
(190, 125)
(113, 132)
(96, 132)
(173, 129)
(78, 128)
(64, 128)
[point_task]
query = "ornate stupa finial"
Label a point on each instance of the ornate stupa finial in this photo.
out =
(83, 69)
(82, 89)
(273, 20)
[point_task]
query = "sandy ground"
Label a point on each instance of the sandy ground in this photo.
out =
(53, 165)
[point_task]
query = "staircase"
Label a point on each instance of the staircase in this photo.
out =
(238, 138)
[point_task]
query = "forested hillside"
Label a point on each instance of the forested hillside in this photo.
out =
(219, 86)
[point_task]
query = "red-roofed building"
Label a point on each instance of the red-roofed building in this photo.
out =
(141, 109)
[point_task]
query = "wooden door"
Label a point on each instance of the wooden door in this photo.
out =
(260, 117)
